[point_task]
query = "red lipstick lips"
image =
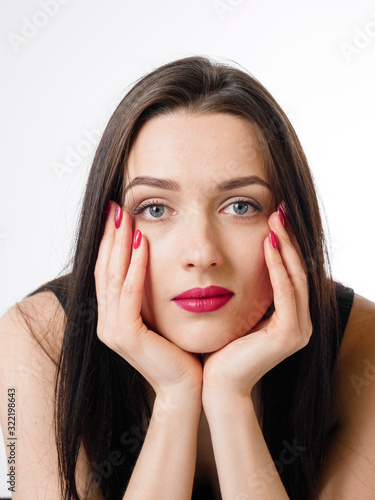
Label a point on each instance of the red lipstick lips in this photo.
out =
(204, 299)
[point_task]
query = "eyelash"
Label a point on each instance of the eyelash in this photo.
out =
(152, 203)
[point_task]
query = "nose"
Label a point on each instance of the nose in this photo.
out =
(200, 245)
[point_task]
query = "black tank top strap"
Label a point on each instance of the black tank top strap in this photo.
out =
(345, 298)
(58, 286)
(61, 295)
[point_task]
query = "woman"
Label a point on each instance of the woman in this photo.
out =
(196, 341)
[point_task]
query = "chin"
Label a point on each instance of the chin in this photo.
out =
(202, 345)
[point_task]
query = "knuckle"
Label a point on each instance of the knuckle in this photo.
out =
(108, 296)
(127, 289)
(278, 266)
(114, 279)
(130, 288)
(302, 277)
(288, 290)
(112, 276)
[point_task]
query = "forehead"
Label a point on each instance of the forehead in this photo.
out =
(203, 147)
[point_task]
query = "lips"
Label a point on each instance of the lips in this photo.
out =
(204, 299)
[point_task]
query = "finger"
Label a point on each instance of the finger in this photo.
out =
(132, 288)
(119, 259)
(103, 258)
(290, 252)
(293, 263)
(283, 291)
(287, 231)
(286, 238)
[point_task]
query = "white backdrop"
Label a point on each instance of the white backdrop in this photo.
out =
(67, 63)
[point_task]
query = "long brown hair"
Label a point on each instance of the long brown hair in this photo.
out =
(100, 398)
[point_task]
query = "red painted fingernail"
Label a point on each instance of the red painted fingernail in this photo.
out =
(137, 238)
(273, 240)
(118, 216)
(281, 215)
(108, 210)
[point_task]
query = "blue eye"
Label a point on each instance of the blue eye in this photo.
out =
(241, 207)
(156, 210)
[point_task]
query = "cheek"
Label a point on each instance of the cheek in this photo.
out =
(260, 272)
(158, 280)
(257, 289)
(249, 253)
(262, 295)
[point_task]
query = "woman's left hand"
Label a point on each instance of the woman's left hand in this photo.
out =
(238, 366)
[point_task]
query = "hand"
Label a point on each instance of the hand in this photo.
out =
(238, 366)
(119, 278)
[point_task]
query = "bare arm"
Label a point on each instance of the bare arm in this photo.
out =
(25, 366)
(245, 467)
(166, 465)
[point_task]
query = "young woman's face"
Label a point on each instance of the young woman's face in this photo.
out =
(206, 223)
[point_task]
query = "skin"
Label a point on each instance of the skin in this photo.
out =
(202, 238)
(201, 241)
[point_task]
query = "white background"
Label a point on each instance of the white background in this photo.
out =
(62, 79)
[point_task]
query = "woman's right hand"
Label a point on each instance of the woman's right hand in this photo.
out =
(119, 277)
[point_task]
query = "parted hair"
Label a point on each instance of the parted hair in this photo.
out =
(100, 399)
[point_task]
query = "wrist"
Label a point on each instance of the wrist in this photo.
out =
(174, 416)
(218, 387)
(178, 401)
(226, 402)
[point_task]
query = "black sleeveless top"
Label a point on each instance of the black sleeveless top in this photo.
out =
(345, 297)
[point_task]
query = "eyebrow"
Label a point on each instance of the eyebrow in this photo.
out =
(170, 185)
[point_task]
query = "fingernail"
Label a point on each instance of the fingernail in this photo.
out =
(281, 215)
(118, 216)
(108, 210)
(137, 239)
(273, 240)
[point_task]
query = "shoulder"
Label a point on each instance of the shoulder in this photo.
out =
(31, 334)
(28, 368)
(349, 465)
(38, 320)
(356, 361)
